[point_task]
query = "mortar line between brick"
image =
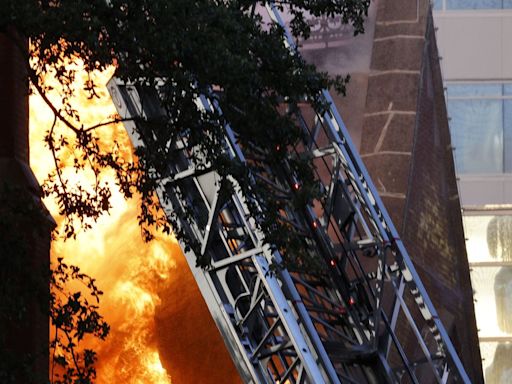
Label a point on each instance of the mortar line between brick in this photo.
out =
(396, 195)
(378, 146)
(409, 113)
(393, 37)
(396, 22)
(398, 153)
(394, 72)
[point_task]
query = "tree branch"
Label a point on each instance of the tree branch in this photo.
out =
(114, 121)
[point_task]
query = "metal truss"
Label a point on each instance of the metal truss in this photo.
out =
(366, 318)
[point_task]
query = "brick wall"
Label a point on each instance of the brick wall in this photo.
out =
(406, 147)
(191, 347)
(26, 338)
(13, 102)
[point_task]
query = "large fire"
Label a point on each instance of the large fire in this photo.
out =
(130, 272)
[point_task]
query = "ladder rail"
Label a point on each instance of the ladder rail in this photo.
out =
(385, 226)
(278, 324)
(292, 323)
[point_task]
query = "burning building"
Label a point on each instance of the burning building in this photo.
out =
(396, 115)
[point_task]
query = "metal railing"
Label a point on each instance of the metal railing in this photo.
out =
(365, 318)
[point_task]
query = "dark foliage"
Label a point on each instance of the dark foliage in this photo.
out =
(25, 294)
(220, 48)
(190, 46)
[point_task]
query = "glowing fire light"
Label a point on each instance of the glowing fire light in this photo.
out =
(130, 272)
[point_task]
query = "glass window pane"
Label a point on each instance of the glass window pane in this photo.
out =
(473, 4)
(497, 362)
(507, 135)
(507, 4)
(493, 300)
(438, 4)
(507, 87)
(465, 90)
(477, 134)
(489, 238)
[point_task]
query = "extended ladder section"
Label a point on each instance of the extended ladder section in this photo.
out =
(366, 318)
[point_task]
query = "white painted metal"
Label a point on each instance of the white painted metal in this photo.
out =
(352, 323)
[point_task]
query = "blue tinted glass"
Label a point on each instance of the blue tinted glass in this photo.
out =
(507, 89)
(507, 135)
(438, 4)
(507, 4)
(477, 134)
(473, 4)
(468, 90)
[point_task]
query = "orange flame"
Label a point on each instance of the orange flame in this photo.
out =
(130, 272)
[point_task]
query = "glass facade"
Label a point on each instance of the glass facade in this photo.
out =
(497, 356)
(471, 4)
(481, 126)
(493, 301)
(489, 247)
(488, 238)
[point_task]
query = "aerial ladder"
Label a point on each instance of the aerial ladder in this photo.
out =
(367, 319)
